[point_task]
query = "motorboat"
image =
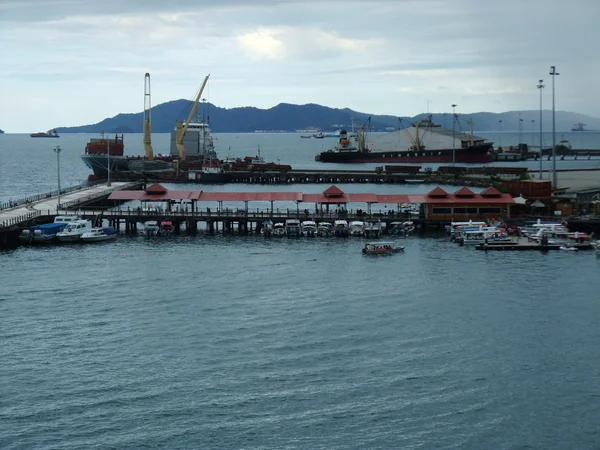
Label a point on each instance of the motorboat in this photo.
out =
(267, 228)
(279, 229)
(483, 235)
(357, 228)
(165, 228)
(309, 228)
(340, 228)
(292, 227)
(68, 218)
(402, 227)
(41, 234)
(99, 234)
(151, 228)
(324, 229)
(372, 228)
(381, 248)
(568, 248)
(74, 230)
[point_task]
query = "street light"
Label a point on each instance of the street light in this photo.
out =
(57, 150)
(553, 72)
(500, 122)
(453, 138)
(540, 86)
(520, 131)
(532, 133)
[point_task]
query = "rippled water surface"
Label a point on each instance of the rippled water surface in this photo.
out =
(246, 342)
(216, 342)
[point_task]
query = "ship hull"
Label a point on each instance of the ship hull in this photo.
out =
(99, 164)
(475, 155)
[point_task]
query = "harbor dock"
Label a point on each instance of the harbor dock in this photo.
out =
(524, 244)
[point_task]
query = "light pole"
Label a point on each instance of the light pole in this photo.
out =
(553, 72)
(453, 138)
(540, 86)
(108, 160)
(520, 131)
(57, 150)
(500, 122)
(532, 133)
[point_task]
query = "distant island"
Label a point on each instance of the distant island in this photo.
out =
(291, 118)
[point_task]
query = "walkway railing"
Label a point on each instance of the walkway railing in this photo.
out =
(34, 198)
(19, 219)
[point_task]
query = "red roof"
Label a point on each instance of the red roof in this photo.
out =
(142, 195)
(363, 198)
(322, 198)
(398, 198)
(156, 189)
(333, 191)
(437, 192)
(491, 192)
(464, 192)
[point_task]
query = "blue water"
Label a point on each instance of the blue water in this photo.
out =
(231, 342)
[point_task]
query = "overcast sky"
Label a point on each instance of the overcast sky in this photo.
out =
(74, 62)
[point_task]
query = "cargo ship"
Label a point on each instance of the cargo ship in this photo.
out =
(423, 142)
(48, 134)
(102, 151)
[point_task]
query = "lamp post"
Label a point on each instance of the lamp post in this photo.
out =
(553, 72)
(500, 122)
(532, 133)
(540, 86)
(520, 131)
(57, 150)
(108, 161)
(453, 138)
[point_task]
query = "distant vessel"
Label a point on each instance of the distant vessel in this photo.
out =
(1, 131)
(578, 127)
(430, 143)
(48, 134)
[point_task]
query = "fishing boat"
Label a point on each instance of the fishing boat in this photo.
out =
(99, 234)
(48, 134)
(430, 143)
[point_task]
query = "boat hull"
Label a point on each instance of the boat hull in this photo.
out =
(99, 164)
(475, 155)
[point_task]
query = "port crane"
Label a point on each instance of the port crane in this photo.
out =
(147, 119)
(180, 128)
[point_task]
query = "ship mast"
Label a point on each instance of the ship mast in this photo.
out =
(180, 129)
(147, 118)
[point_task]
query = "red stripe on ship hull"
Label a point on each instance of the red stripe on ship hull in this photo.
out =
(467, 159)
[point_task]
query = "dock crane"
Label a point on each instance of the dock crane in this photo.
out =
(147, 119)
(180, 129)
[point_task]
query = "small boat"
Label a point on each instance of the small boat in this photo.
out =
(324, 229)
(402, 227)
(372, 228)
(381, 248)
(166, 228)
(99, 234)
(74, 230)
(340, 228)
(309, 228)
(151, 228)
(267, 228)
(568, 248)
(357, 228)
(279, 229)
(48, 134)
(292, 228)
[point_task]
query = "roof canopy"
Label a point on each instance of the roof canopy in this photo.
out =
(333, 191)
(491, 192)
(464, 192)
(156, 189)
(437, 192)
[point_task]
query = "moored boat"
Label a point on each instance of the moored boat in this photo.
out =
(324, 229)
(292, 228)
(99, 234)
(309, 228)
(74, 230)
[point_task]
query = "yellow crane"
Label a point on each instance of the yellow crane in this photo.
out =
(147, 119)
(180, 129)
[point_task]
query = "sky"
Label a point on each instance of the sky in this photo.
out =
(77, 62)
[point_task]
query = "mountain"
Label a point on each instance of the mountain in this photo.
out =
(288, 117)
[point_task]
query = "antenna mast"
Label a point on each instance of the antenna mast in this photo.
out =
(147, 118)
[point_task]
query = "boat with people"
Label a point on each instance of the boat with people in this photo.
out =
(74, 230)
(48, 134)
(99, 234)
(424, 142)
(309, 228)
(381, 248)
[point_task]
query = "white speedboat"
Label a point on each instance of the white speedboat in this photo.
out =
(279, 229)
(324, 229)
(309, 228)
(99, 234)
(372, 228)
(151, 228)
(340, 228)
(292, 227)
(74, 230)
(357, 228)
